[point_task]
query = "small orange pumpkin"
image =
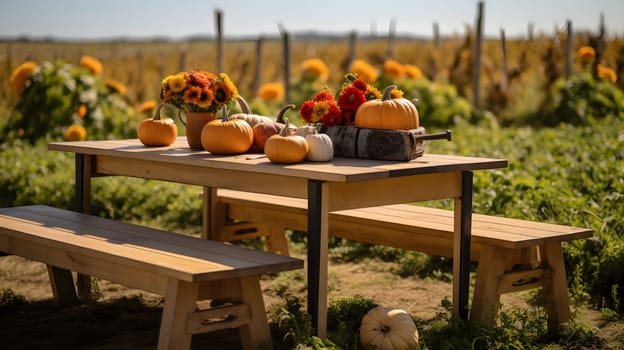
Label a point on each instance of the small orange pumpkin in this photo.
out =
(387, 113)
(285, 147)
(224, 136)
(155, 132)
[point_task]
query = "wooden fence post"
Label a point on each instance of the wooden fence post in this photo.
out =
(219, 28)
(476, 68)
(286, 61)
(568, 49)
(351, 51)
(258, 67)
(391, 38)
(505, 71)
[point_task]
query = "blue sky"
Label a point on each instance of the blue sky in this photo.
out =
(97, 19)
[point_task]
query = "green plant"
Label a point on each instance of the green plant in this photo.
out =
(58, 94)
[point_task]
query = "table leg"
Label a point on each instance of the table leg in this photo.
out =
(83, 205)
(317, 255)
(461, 248)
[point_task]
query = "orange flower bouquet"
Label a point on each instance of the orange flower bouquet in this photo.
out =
(198, 91)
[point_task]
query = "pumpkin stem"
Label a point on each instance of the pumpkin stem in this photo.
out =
(224, 114)
(384, 329)
(286, 130)
(157, 111)
(243, 105)
(387, 94)
(280, 115)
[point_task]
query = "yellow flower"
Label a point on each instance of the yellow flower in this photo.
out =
(412, 71)
(271, 92)
(92, 64)
(82, 111)
(20, 76)
(147, 106)
(229, 85)
(396, 93)
(586, 54)
(176, 83)
(115, 86)
(372, 93)
(316, 68)
(75, 132)
(364, 71)
(607, 73)
(393, 69)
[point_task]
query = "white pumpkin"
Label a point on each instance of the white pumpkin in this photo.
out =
(386, 328)
(305, 130)
(320, 147)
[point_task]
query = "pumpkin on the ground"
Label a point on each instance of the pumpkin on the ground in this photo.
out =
(387, 113)
(386, 328)
(155, 132)
(224, 136)
(285, 147)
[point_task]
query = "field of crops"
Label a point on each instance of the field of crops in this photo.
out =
(563, 134)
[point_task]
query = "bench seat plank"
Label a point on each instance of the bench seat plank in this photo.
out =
(182, 257)
(493, 230)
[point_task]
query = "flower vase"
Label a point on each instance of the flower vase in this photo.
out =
(194, 124)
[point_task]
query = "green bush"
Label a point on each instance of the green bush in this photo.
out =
(59, 94)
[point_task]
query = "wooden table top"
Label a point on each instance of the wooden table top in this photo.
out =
(338, 170)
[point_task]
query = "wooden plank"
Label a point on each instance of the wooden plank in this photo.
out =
(185, 257)
(339, 170)
(180, 301)
(510, 233)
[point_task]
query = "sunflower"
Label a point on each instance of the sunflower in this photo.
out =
(147, 106)
(115, 86)
(606, 73)
(269, 92)
(176, 83)
(393, 69)
(75, 132)
(92, 64)
(229, 85)
(412, 71)
(20, 76)
(364, 70)
(82, 111)
(586, 54)
(316, 68)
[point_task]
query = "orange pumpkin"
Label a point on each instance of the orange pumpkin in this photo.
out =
(285, 147)
(155, 132)
(224, 136)
(387, 113)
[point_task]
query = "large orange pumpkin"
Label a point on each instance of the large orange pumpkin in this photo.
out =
(224, 136)
(387, 113)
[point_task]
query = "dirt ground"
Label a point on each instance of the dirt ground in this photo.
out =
(120, 323)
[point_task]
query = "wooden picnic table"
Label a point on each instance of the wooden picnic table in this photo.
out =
(343, 183)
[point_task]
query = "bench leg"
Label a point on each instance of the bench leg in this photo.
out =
(255, 334)
(62, 284)
(486, 296)
(180, 300)
(276, 240)
(556, 297)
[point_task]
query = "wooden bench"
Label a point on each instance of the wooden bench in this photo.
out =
(512, 255)
(186, 270)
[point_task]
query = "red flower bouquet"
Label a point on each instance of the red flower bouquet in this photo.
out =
(325, 109)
